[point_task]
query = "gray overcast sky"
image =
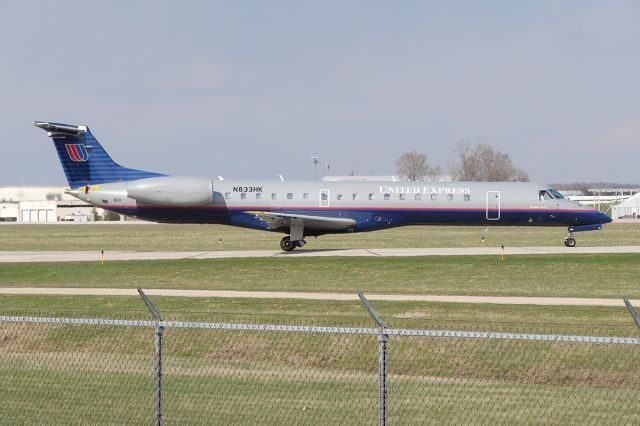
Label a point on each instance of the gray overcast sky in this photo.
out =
(254, 89)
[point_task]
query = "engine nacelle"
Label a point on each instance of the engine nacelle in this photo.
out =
(173, 190)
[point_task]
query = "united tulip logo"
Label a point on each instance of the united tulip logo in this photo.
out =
(77, 152)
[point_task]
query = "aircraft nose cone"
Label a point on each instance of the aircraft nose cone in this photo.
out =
(604, 218)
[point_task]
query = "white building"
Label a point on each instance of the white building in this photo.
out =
(34, 193)
(37, 211)
(629, 208)
(41, 204)
(9, 211)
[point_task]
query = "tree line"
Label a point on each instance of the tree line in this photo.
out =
(471, 162)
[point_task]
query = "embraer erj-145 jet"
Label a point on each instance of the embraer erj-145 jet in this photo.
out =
(307, 208)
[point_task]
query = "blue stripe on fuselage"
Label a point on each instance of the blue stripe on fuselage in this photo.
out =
(368, 220)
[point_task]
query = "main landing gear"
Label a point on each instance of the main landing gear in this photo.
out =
(295, 237)
(287, 245)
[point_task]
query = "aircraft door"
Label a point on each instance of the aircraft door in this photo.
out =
(493, 205)
(324, 198)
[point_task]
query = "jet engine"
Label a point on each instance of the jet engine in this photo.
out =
(172, 190)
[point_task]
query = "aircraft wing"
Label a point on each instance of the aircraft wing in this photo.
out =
(278, 220)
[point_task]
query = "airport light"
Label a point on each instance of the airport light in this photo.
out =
(315, 167)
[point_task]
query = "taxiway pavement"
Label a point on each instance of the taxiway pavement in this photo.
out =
(93, 256)
(508, 300)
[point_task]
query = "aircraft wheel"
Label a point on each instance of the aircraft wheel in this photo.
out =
(570, 242)
(286, 244)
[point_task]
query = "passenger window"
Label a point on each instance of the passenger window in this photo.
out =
(401, 196)
(324, 196)
(274, 195)
(258, 195)
(450, 197)
(339, 196)
(467, 197)
(372, 196)
(355, 196)
(305, 196)
(243, 195)
(418, 197)
(434, 197)
(289, 195)
(387, 197)
(227, 195)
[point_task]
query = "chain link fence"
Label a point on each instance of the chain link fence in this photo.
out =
(89, 371)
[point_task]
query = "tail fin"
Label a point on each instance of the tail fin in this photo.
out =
(84, 160)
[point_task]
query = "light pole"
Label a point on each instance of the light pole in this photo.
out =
(315, 167)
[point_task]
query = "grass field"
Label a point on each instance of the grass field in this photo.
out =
(590, 275)
(84, 375)
(157, 237)
(104, 375)
(605, 321)
(610, 276)
(298, 398)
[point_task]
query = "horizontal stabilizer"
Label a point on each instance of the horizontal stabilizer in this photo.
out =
(60, 128)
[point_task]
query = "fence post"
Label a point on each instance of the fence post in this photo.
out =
(382, 358)
(383, 340)
(632, 311)
(159, 332)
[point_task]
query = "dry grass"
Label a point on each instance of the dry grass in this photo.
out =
(164, 237)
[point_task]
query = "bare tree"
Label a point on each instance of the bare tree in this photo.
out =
(414, 166)
(433, 174)
(479, 162)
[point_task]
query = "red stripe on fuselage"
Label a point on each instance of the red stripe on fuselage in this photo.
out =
(348, 208)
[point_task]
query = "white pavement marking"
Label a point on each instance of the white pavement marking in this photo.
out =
(509, 300)
(95, 256)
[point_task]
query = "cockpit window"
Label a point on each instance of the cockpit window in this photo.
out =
(554, 193)
(544, 195)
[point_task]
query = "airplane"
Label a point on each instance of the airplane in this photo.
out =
(303, 209)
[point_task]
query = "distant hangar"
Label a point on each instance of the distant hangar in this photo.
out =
(627, 209)
(42, 204)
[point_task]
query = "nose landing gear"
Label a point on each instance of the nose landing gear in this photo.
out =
(570, 241)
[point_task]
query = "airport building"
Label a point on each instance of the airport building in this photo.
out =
(619, 203)
(42, 205)
(627, 209)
